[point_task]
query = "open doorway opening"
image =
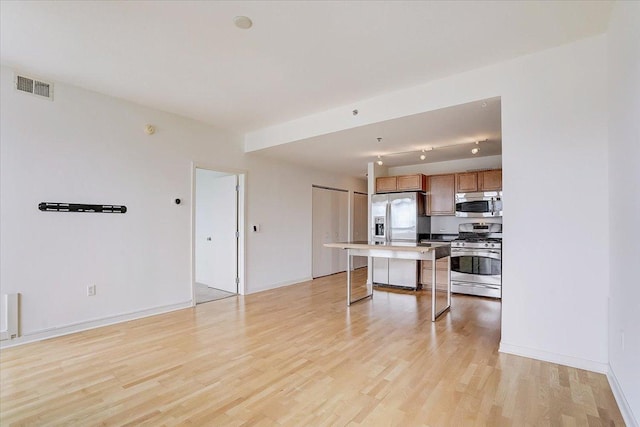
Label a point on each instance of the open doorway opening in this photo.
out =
(216, 235)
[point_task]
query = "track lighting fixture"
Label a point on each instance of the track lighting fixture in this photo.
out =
(422, 154)
(476, 150)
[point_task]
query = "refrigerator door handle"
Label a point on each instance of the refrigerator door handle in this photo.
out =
(387, 231)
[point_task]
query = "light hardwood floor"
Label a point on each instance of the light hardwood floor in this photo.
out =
(297, 356)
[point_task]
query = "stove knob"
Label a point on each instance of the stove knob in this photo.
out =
(486, 245)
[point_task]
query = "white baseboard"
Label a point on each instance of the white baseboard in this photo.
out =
(561, 359)
(278, 285)
(92, 324)
(625, 409)
(10, 306)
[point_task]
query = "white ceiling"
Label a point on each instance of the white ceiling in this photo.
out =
(450, 133)
(299, 58)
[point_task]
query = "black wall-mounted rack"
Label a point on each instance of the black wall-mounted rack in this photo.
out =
(80, 207)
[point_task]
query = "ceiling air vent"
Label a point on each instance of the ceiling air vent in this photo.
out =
(34, 87)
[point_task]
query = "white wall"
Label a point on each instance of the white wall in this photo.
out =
(280, 199)
(624, 198)
(554, 128)
(90, 148)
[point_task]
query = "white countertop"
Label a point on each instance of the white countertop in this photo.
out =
(395, 246)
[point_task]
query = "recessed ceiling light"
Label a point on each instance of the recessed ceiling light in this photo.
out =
(242, 22)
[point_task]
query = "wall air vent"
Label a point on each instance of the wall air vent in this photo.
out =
(34, 86)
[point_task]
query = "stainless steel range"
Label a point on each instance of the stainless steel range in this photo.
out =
(476, 260)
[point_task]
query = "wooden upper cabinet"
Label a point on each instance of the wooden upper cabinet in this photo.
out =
(442, 189)
(417, 182)
(490, 180)
(441, 186)
(467, 182)
(385, 184)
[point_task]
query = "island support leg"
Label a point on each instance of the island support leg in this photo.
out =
(348, 277)
(449, 281)
(434, 314)
(349, 266)
(433, 286)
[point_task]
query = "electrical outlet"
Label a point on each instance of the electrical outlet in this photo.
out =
(91, 290)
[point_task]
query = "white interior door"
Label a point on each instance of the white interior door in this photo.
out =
(216, 248)
(330, 223)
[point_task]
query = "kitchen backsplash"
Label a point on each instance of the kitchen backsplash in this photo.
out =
(449, 224)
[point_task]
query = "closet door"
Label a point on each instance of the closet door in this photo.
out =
(330, 223)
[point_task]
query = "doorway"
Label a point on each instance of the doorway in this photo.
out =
(216, 233)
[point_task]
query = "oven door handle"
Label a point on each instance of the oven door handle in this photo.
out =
(476, 253)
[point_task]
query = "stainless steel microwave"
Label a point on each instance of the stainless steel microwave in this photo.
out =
(479, 205)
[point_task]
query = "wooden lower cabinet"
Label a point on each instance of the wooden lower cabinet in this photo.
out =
(442, 189)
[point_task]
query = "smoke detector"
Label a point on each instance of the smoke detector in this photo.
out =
(242, 22)
(33, 86)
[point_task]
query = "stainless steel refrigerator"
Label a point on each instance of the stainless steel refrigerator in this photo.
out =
(398, 217)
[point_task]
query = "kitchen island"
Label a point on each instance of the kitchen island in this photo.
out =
(401, 250)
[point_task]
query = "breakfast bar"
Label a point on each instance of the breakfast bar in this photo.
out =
(400, 250)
